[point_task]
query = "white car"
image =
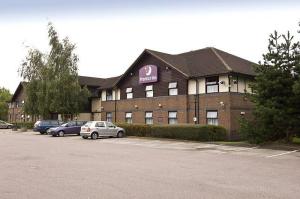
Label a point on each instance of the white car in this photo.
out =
(5, 125)
(96, 129)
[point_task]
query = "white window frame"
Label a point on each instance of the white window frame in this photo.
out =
(148, 118)
(171, 118)
(212, 117)
(149, 91)
(173, 90)
(128, 117)
(129, 93)
(212, 86)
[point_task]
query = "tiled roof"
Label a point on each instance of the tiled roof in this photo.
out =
(206, 61)
(109, 82)
(90, 81)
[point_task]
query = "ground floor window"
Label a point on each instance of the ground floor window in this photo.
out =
(172, 117)
(212, 117)
(149, 117)
(109, 116)
(128, 118)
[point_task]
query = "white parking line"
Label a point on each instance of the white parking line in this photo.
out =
(270, 156)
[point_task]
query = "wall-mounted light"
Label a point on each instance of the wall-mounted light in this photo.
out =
(222, 103)
(234, 81)
(222, 82)
(101, 108)
(136, 106)
(243, 113)
(131, 74)
(159, 105)
(167, 68)
(195, 119)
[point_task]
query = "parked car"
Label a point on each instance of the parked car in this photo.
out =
(5, 125)
(43, 125)
(72, 127)
(95, 129)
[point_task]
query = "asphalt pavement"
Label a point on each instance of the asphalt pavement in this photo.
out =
(34, 166)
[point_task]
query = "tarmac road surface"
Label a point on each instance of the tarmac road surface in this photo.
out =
(34, 166)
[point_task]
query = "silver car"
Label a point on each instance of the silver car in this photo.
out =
(5, 125)
(96, 129)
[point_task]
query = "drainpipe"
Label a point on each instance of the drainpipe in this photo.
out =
(197, 93)
(115, 106)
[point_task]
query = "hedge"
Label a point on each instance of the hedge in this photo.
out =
(182, 132)
(28, 125)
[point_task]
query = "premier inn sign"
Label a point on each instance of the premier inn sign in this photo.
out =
(147, 74)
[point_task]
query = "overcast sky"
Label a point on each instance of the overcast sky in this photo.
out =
(110, 35)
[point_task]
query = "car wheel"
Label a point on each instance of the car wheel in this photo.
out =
(42, 133)
(84, 137)
(94, 136)
(120, 134)
(61, 134)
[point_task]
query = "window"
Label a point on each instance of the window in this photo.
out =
(149, 91)
(149, 117)
(110, 125)
(172, 117)
(128, 118)
(109, 117)
(212, 117)
(173, 88)
(129, 93)
(99, 124)
(109, 96)
(212, 84)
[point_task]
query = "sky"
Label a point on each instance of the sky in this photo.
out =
(110, 35)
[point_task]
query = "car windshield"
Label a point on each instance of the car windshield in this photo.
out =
(64, 125)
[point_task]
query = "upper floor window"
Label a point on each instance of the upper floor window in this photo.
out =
(149, 117)
(128, 118)
(149, 91)
(212, 117)
(212, 84)
(129, 93)
(173, 90)
(172, 117)
(109, 116)
(109, 95)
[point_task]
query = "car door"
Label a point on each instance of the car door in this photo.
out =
(111, 129)
(101, 128)
(71, 128)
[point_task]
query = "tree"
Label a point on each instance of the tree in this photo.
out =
(275, 91)
(5, 97)
(53, 85)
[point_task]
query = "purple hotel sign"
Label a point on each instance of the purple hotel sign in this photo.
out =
(148, 74)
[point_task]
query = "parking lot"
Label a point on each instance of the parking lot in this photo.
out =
(40, 166)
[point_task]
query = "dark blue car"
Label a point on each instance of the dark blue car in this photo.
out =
(43, 125)
(72, 127)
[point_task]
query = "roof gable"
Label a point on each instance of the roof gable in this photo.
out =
(166, 58)
(203, 62)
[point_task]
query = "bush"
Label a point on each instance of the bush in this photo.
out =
(141, 130)
(250, 131)
(28, 125)
(183, 132)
